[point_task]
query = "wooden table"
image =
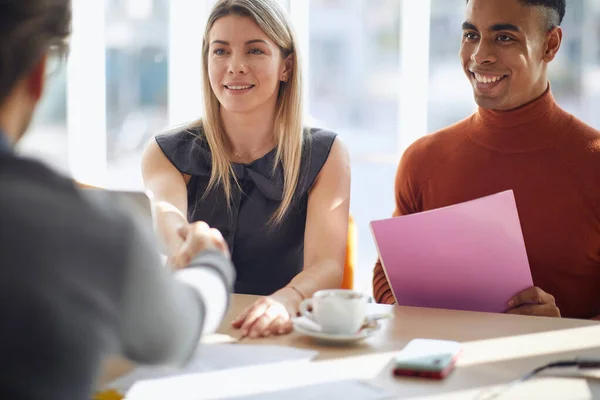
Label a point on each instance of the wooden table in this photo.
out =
(497, 349)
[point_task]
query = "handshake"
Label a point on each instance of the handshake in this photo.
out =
(192, 239)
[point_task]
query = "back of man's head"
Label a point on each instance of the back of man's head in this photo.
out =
(28, 28)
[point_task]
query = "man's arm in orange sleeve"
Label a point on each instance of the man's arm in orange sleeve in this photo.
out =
(381, 288)
(382, 292)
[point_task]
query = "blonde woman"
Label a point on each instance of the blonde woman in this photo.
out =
(277, 191)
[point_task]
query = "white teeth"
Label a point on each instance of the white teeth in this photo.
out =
(485, 79)
(239, 87)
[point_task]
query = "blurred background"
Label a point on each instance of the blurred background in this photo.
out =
(381, 73)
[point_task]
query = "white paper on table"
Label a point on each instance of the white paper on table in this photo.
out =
(347, 390)
(215, 357)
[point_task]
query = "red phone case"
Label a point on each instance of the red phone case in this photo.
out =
(428, 374)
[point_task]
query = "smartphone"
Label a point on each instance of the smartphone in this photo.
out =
(427, 358)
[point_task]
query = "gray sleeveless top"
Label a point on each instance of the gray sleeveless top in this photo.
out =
(266, 256)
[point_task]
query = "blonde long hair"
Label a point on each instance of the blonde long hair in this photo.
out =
(289, 133)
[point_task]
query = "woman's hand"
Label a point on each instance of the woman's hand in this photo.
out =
(195, 238)
(270, 315)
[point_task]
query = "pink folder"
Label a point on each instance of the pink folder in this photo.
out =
(468, 256)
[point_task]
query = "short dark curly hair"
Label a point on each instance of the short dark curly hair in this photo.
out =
(28, 29)
(555, 10)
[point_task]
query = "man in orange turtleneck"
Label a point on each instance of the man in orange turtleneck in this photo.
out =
(519, 139)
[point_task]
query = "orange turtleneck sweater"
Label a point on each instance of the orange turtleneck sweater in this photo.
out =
(551, 161)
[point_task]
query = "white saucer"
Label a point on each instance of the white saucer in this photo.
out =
(307, 327)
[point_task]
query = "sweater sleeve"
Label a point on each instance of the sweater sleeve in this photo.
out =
(163, 315)
(407, 202)
(381, 287)
(382, 291)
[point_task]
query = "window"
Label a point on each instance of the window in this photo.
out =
(137, 34)
(450, 94)
(354, 71)
(575, 72)
(353, 90)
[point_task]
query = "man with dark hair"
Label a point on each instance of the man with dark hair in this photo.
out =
(79, 279)
(519, 139)
(551, 12)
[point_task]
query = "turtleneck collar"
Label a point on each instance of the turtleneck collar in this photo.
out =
(527, 128)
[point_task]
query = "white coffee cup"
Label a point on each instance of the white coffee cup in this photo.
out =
(338, 311)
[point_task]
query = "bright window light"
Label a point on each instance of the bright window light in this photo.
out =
(139, 9)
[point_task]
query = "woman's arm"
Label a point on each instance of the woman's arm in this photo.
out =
(325, 240)
(168, 188)
(326, 232)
